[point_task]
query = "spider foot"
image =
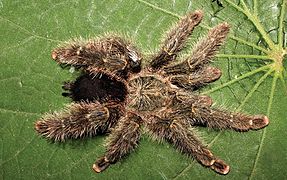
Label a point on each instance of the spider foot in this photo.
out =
(123, 139)
(176, 40)
(101, 164)
(205, 157)
(220, 167)
(41, 127)
(258, 122)
(208, 160)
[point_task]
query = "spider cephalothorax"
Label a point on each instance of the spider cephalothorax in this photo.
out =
(115, 95)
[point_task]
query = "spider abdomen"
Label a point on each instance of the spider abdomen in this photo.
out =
(147, 93)
(101, 87)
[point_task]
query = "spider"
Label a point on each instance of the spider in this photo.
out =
(115, 95)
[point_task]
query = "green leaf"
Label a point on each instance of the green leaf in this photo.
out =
(253, 62)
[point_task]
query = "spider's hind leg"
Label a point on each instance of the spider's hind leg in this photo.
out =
(180, 134)
(123, 139)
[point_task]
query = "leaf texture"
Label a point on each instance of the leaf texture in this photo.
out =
(254, 81)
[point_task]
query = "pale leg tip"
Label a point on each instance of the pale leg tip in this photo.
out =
(220, 167)
(96, 168)
(259, 122)
(265, 120)
(226, 170)
(101, 164)
(54, 55)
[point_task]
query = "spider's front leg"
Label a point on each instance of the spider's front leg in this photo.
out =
(176, 40)
(112, 53)
(194, 71)
(123, 139)
(202, 53)
(180, 134)
(79, 120)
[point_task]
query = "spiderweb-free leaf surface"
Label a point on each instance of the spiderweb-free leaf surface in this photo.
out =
(30, 85)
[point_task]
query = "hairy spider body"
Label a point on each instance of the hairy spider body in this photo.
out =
(114, 94)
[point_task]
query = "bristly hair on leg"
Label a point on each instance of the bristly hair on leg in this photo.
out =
(202, 52)
(176, 40)
(78, 120)
(179, 134)
(123, 139)
(221, 119)
(206, 49)
(196, 79)
(109, 53)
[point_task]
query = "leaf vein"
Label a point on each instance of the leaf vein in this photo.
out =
(19, 151)
(159, 8)
(264, 130)
(249, 95)
(281, 19)
(5, 110)
(27, 31)
(237, 79)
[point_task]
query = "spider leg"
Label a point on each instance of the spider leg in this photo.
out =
(180, 134)
(176, 40)
(79, 120)
(196, 79)
(220, 119)
(181, 97)
(202, 53)
(113, 54)
(123, 139)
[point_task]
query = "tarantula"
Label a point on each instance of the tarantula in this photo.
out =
(115, 95)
